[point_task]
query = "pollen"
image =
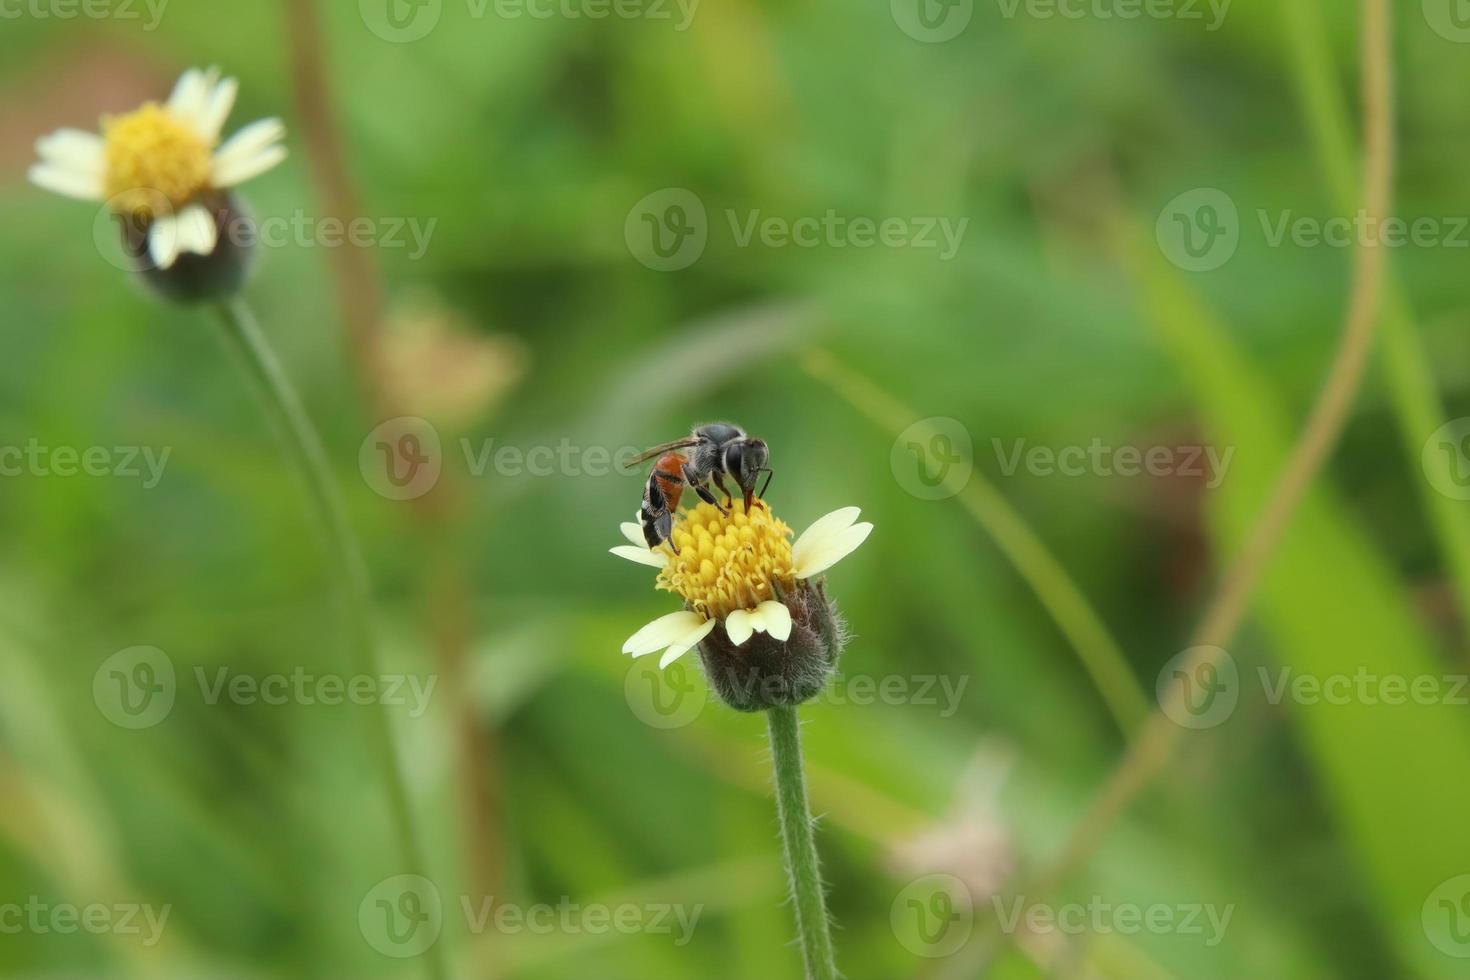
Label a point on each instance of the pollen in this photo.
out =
(151, 155)
(728, 561)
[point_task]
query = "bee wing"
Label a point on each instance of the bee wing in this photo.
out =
(648, 454)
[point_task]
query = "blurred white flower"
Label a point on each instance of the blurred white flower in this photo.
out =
(972, 841)
(159, 163)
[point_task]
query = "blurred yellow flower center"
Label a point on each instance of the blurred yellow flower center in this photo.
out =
(152, 156)
(728, 562)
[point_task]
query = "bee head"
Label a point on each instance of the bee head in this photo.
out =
(753, 456)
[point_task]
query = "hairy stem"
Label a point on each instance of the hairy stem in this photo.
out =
(279, 397)
(800, 845)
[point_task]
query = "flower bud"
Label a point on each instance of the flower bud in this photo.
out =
(194, 278)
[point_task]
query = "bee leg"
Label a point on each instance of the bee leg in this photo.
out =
(709, 498)
(704, 493)
(664, 525)
(719, 479)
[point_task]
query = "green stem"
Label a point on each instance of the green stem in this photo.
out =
(801, 845)
(1058, 593)
(279, 398)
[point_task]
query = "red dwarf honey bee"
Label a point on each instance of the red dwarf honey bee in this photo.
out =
(709, 454)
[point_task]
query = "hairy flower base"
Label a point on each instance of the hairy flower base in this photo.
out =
(765, 672)
(193, 277)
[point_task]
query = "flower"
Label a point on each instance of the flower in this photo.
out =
(440, 364)
(162, 166)
(753, 602)
(973, 841)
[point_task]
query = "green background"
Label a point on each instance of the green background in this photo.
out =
(1331, 831)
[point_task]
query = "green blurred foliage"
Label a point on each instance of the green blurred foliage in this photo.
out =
(526, 141)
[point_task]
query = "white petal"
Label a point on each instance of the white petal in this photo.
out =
(217, 109)
(197, 230)
(237, 169)
(251, 140)
(163, 241)
(74, 150)
(738, 626)
(86, 187)
(640, 554)
(634, 533)
(831, 550)
(823, 528)
(682, 647)
(662, 632)
(189, 95)
(773, 618)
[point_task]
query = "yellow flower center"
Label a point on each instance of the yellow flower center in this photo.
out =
(728, 562)
(151, 155)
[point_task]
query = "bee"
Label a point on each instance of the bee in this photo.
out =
(708, 455)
